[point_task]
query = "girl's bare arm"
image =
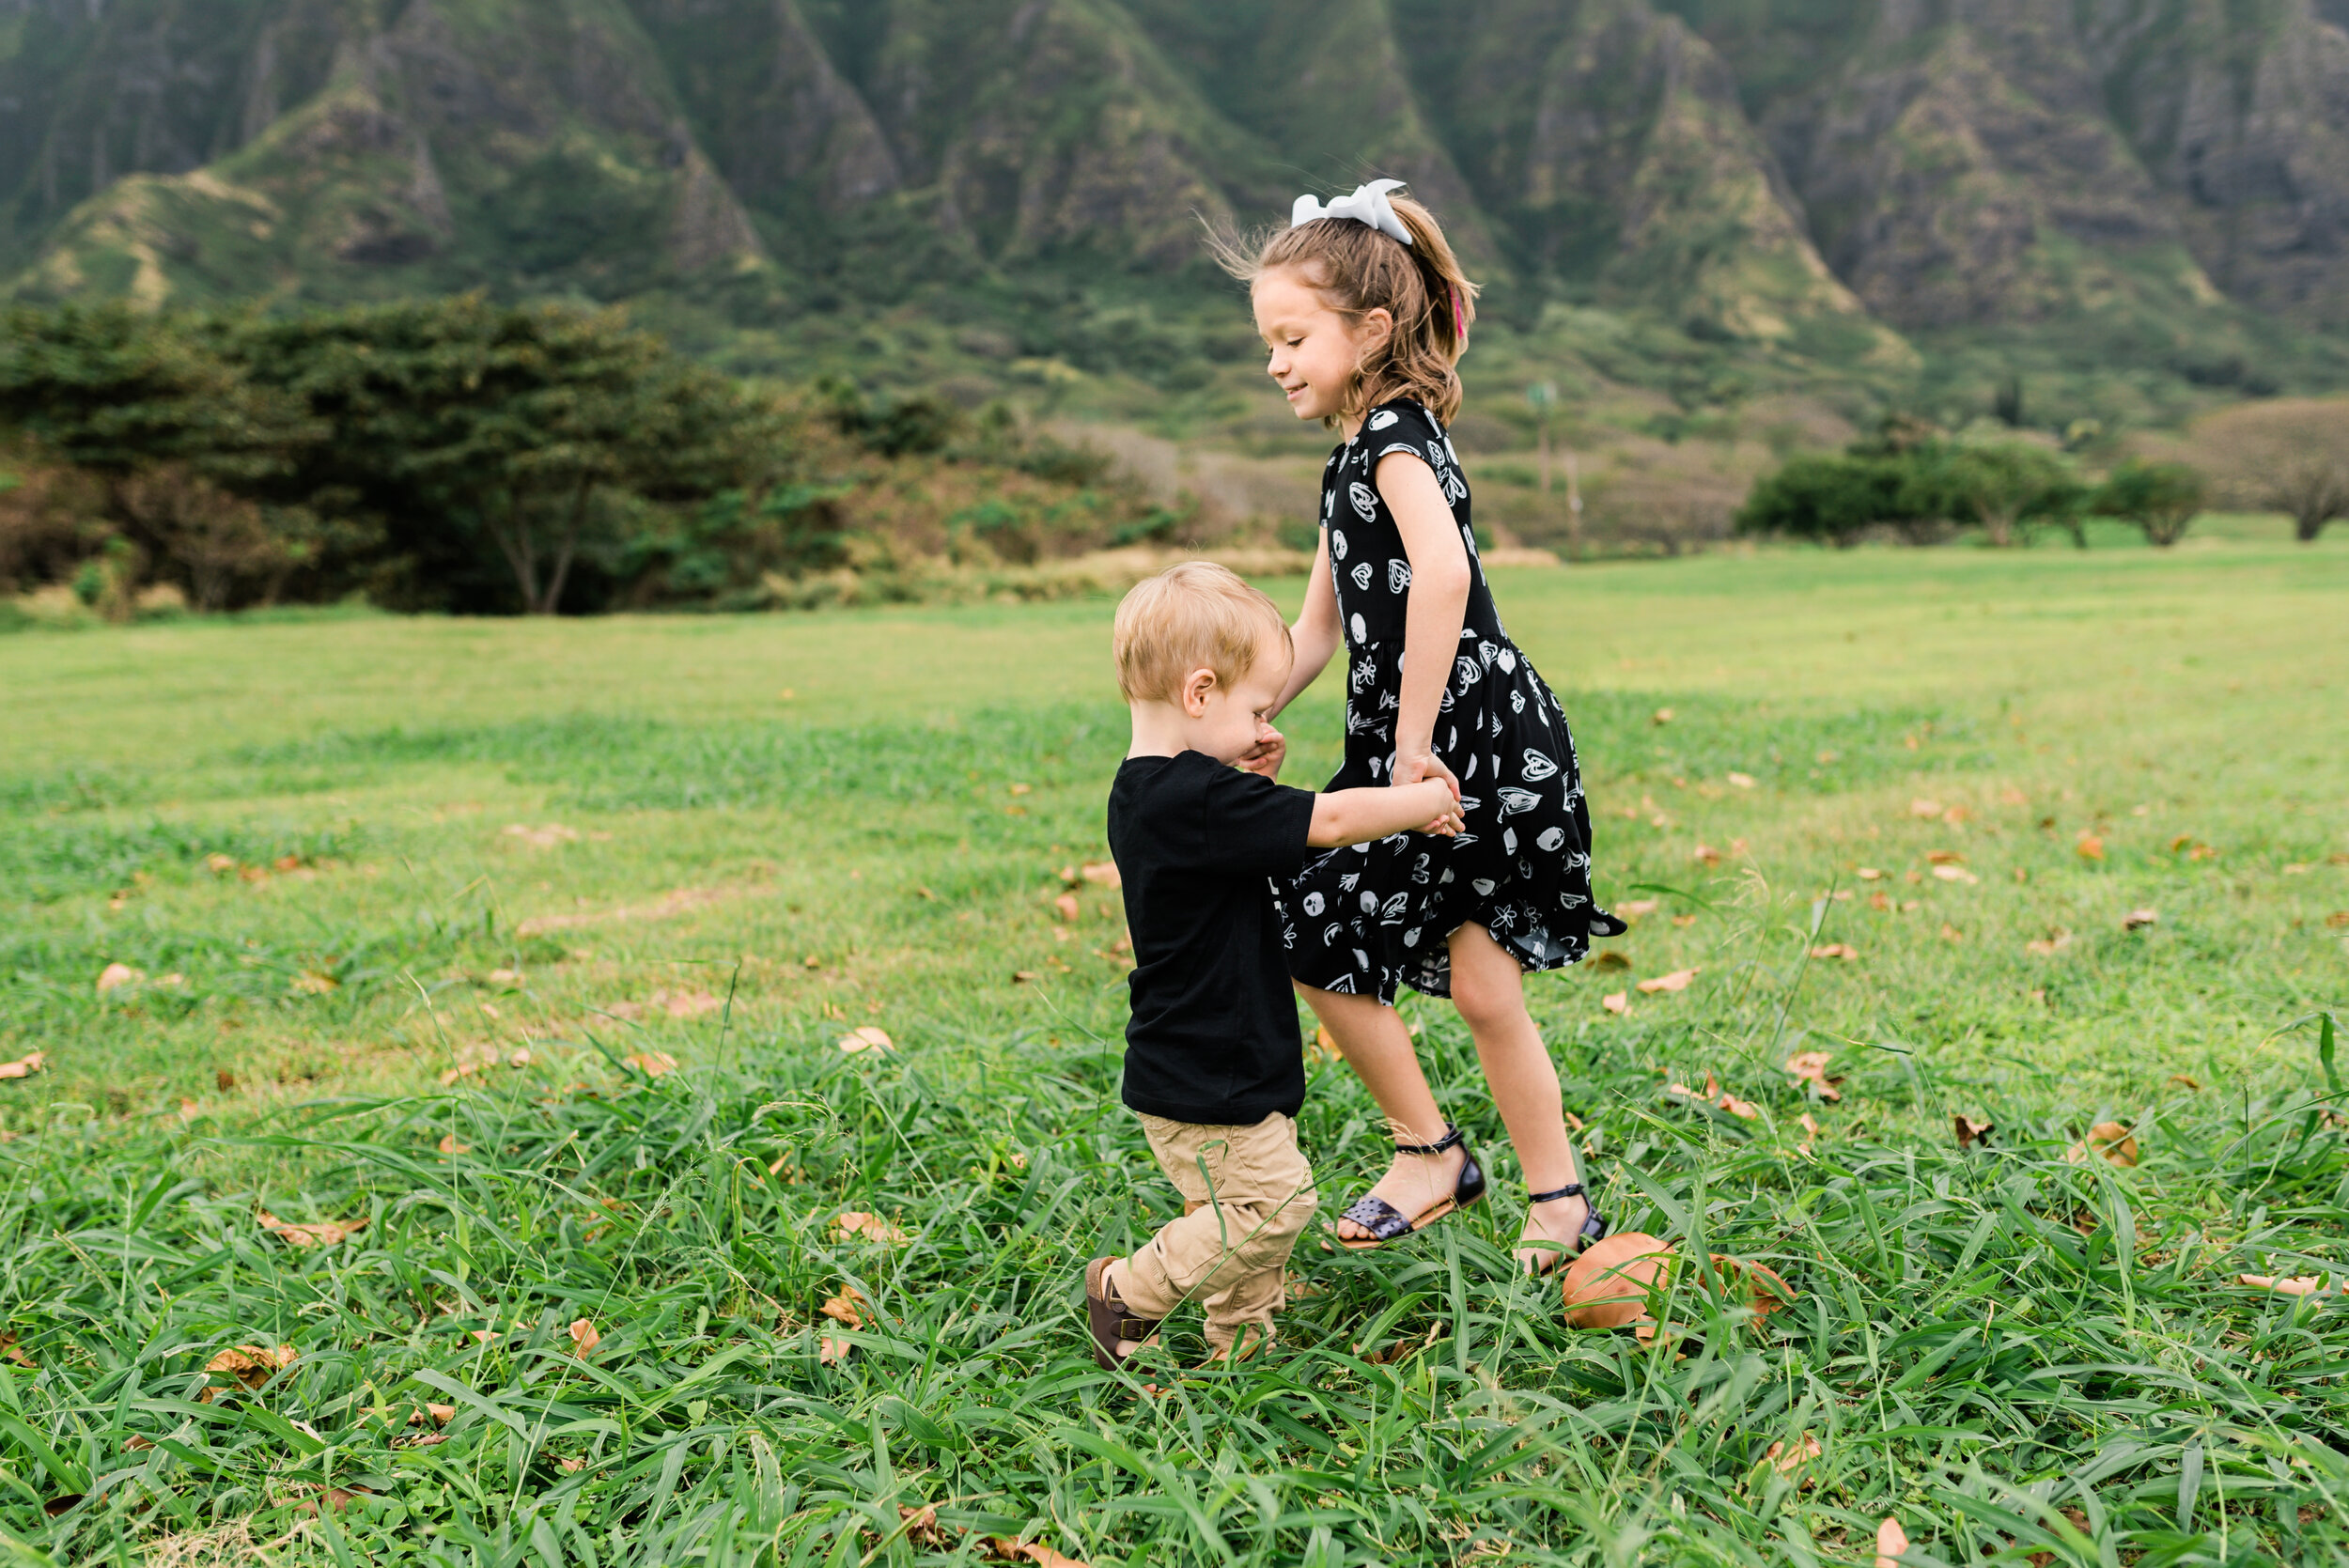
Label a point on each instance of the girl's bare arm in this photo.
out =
(1315, 634)
(1439, 604)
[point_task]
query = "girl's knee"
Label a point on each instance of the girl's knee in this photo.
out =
(1484, 1006)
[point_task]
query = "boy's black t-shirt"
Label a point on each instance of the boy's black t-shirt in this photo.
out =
(1213, 1039)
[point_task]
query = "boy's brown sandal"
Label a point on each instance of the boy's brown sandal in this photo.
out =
(1111, 1321)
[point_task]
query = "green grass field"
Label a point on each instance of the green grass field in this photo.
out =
(359, 868)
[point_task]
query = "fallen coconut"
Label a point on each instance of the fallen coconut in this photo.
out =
(1607, 1287)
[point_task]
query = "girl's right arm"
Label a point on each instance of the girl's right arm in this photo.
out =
(1315, 634)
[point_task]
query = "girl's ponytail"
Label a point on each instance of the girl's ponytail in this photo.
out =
(1359, 270)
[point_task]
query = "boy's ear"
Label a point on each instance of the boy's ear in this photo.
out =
(1196, 686)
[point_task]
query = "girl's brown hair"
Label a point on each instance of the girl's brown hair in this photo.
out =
(1358, 270)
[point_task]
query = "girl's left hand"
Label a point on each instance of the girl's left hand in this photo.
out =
(1427, 765)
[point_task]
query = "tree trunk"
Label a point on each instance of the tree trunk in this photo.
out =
(1998, 522)
(2307, 525)
(522, 556)
(570, 546)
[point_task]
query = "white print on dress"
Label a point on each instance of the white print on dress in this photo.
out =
(1365, 500)
(1537, 767)
(1383, 418)
(1509, 840)
(1483, 887)
(1314, 904)
(1467, 671)
(1361, 632)
(1337, 542)
(1398, 576)
(1551, 838)
(1515, 800)
(1508, 661)
(1370, 903)
(1360, 574)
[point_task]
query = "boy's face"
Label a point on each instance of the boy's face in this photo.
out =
(1226, 723)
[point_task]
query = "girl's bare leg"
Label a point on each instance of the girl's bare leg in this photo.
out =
(1488, 988)
(1371, 1036)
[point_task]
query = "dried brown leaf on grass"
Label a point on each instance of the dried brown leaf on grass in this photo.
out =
(1003, 1549)
(1836, 950)
(1891, 1541)
(14, 1351)
(1636, 909)
(584, 1338)
(450, 1146)
(2089, 847)
(1786, 1460)
(867, 1037)
(2138, 919)
(1618, 1003)
(1971, 1132)
(831, 1352)
(847, 1307)
(1677, 980)
(24, 1067)
(854, 1225)
(1765, 1291)
(2049, 945)
(1609, 959)
(116, 975)
(2300, 1284)
(652, 1064)
(2109, 1138)
(252, 1365)
(920, 1526)
(1809, 1067)
(323, 1232)
(1066, 905)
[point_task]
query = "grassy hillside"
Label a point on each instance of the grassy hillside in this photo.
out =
(1890, 205)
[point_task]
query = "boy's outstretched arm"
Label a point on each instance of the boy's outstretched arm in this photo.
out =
(1346, 816)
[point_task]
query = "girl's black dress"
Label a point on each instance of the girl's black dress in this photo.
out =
(1367, 919)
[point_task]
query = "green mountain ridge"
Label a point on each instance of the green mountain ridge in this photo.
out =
(2154, 183)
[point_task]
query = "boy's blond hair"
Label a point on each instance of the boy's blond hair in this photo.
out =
(1196, 616)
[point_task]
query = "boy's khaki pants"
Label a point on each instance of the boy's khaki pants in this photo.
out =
(1247, 1196)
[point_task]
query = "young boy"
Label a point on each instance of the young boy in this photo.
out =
(1215, 1064)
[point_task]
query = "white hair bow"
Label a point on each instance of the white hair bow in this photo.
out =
(1367, 205)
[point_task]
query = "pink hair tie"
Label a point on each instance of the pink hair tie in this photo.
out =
(1459, 317)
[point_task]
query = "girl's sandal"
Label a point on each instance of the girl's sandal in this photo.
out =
(1553, 1254)
(1110, 1320)
(1385, 1223)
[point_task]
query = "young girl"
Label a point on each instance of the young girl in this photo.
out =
(1366, 313)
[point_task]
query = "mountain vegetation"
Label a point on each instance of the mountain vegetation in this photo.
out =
(2142, 205)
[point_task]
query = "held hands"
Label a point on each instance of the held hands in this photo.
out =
(1426, 768)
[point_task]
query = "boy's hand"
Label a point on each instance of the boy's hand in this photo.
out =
(1266, 756)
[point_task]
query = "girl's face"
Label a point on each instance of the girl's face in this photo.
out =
(1316, 350)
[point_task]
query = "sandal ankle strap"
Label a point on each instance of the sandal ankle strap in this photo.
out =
(1452, 1138)
(1572, 1189)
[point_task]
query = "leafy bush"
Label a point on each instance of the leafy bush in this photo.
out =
(2162, 498)
(1834, 499)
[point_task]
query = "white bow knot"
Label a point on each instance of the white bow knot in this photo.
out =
(1367, 205)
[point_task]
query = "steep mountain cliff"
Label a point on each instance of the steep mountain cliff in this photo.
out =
(1815, 178)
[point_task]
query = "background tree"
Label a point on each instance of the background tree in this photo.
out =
(2288, 454)
(1828, 498)
(2006, 488)
(174, 430)
(495, 431)
(2162, 498)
